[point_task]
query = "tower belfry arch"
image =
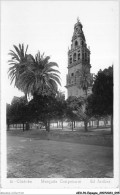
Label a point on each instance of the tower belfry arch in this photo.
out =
(78, 57)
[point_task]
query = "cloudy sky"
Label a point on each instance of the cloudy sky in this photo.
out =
(48, 26)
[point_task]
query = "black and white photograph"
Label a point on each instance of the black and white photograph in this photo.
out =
(60, 95)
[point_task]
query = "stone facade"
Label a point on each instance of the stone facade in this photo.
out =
(78, 56)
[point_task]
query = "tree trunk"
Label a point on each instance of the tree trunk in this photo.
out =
(74, 124)
(85, 124)
(26, 96)
(97, 123)
(92, 123)
(27, 126)
(62, 124)
(105, 122)
(47, 126)
(111, 124)
(57, 124)
(23, 126)
(89, 123)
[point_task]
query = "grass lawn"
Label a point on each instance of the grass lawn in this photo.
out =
(94, 136)
(60, 153)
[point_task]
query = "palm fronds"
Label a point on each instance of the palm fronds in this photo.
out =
(32, 74)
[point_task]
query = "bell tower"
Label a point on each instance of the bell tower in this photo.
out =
(78, 57)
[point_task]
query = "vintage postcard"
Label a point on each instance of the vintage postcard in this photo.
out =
(60, 97)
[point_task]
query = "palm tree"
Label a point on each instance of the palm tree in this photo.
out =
(81, 113)
(32, 75)
(40, 77)
(18, 63)
(84, 82)
(84, 79)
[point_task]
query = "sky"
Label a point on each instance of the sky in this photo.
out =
(48, 26)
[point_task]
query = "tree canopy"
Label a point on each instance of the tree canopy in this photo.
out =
(85, 79)
(17, 112)
(33, 75)
(46, 108)
(101, 100)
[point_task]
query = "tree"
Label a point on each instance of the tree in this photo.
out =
(8, 115)
(101, 101)
(71, 111)
(90, 107)
(85, 79)
(43, 109)
(19, 64)
(82, 112)
(41, 77)
(33, 76)
(77, 110)
(42, 83)
(60, 107)
(18, 112)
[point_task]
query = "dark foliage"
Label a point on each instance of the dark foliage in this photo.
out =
(17, 112)
(101, 101)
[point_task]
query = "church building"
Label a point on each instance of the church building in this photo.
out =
(78, 58)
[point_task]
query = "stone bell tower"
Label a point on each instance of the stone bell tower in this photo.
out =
(78, 56)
